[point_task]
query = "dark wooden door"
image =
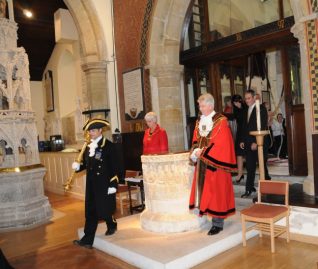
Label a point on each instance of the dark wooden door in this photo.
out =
(297, 151)
(295, 115)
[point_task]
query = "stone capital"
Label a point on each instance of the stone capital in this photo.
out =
(165, 70)
(298, 31)
(95, 66)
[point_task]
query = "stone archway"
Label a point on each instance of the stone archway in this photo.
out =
(166, 73)
(93, 48)
(90, 31)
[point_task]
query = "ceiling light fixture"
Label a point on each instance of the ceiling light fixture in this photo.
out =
(27, 13)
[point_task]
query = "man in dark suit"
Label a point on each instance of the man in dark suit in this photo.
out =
(248, 142)
(101, 163)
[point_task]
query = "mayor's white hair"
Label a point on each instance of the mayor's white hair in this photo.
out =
(207, 98)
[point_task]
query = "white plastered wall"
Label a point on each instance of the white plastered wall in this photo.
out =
(38, 106)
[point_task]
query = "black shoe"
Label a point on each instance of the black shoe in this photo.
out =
(248, 193)
(239, 180)
(215, 230)
(82, 244)
(268, 178)
(111, 230)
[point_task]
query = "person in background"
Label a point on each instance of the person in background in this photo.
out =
(248, 141)
(228, 109)
(238, 108)
(155, 138)
(213, 153)
(101, 163)
(279, 133)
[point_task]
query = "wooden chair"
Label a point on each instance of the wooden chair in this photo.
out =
(266, 215)
(122, 190)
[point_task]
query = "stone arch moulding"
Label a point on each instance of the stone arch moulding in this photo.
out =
(93, 51)
(91, 35)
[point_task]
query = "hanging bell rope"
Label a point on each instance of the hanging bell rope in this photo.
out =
(279, 103)
(269, 88)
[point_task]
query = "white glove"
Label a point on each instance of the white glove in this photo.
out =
(111, 190)
(193, 157)
(76, 166)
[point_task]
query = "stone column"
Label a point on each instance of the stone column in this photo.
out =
(167, 182)
(167, 102)
(299, 31)
(96, 81)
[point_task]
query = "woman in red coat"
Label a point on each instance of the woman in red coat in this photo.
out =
(213, 152)
(155, 138)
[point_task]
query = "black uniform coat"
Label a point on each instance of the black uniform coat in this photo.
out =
(101, 173)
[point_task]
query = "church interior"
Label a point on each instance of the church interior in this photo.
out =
(64, 63)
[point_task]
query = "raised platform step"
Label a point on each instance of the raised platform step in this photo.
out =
(184, 250)
(167, 251)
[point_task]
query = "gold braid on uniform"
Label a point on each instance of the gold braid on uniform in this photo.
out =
(104, 142)
(114, 178)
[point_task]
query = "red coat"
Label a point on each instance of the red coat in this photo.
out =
(155, 143)
(217, 198)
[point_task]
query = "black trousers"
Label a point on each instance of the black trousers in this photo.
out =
(251, 160)
(92, 219)
(91, 224)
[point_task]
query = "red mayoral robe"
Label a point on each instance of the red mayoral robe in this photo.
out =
(155, 143)
(217, 161)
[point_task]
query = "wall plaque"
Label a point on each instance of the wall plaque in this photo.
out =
(134, 94)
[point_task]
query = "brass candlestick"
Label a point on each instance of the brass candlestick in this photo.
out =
(260, 142)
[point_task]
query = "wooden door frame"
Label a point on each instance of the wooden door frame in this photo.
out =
(288, 105)
(290, 109)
